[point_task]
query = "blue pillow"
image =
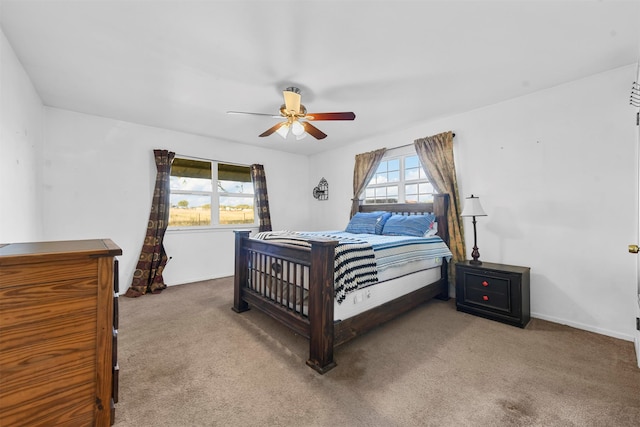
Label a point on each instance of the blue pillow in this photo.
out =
(368, 222)
(408, 225)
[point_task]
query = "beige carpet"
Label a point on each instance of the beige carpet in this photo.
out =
(186, 359)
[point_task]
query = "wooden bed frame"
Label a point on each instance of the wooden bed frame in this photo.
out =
(260, 283)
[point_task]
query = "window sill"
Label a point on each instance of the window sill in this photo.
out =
(212, 229)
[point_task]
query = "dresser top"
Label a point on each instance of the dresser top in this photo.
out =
(12, 253)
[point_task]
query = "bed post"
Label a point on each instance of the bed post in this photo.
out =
(321, 333)
(240, 276)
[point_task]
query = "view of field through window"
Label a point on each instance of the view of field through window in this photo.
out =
(194, 196)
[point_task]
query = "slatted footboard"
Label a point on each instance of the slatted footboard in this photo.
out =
(272, 277)
(295, 285)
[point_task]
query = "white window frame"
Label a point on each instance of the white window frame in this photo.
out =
(400, 154)
(214, 196)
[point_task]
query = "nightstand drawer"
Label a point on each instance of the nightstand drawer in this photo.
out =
(486, 283)
(488, 299)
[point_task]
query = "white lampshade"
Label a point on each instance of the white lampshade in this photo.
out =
(472, 207)
(296, 128)
(283, 131)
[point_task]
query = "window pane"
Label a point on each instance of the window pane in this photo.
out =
(411, 162)
(235, 187)
(399, 180)
(426, 198)
(411, 199)
(190, 184)
(189, 210)
(236, 210)
(425, 188)
(411, 174)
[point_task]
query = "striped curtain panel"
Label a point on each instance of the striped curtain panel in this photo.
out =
(261, 197)
(436, 154)
(147, 276)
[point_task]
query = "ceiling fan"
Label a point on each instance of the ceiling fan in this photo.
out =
(296, 117)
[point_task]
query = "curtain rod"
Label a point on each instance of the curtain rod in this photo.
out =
(184, 156)
(406, 145)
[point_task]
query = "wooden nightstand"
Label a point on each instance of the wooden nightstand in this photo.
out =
(495, 291)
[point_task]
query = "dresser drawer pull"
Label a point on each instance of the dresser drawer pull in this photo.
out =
(485, 298)
(485, 283)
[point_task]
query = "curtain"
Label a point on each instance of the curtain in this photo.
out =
(363, 170)
(148, 274)
(260, 196)
(436, 155)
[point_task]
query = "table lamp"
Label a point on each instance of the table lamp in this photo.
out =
(473, 208)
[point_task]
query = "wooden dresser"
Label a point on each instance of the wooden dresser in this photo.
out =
(58, 330)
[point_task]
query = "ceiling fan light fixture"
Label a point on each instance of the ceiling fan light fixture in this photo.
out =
(283, 131)
(296, 128)
(301, 136)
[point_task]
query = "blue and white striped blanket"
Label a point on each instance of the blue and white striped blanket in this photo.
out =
(355, 263)
(359, 257)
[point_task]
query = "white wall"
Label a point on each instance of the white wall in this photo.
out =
(552, 170)
(21, 118)
(98, 182)
(555, 172)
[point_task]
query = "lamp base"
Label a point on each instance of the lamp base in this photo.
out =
(475, 254)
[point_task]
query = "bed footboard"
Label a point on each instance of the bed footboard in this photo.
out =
(271, 277)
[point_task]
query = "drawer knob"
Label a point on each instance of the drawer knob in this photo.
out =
(485, 283)
(485, 298)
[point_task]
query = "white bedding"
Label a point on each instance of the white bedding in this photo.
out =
(364, 299)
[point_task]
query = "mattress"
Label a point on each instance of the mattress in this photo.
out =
(370, 297)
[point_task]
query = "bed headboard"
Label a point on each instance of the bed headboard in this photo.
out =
(439, 207)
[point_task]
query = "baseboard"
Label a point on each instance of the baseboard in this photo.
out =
(197, 279)
(585, 327)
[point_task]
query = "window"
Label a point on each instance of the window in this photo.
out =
(399, 178)
(209, 193)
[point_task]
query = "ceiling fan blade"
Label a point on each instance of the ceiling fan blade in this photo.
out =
(292, 101)
(275, 116)
(272, 129)
(313, 131)
(330, 116)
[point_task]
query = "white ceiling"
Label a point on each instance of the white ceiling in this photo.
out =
(182, 64)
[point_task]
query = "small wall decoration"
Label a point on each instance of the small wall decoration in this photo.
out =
(321, 192)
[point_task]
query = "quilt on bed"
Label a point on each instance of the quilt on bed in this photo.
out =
(394, 251)
(355, 264)
(359, 257)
